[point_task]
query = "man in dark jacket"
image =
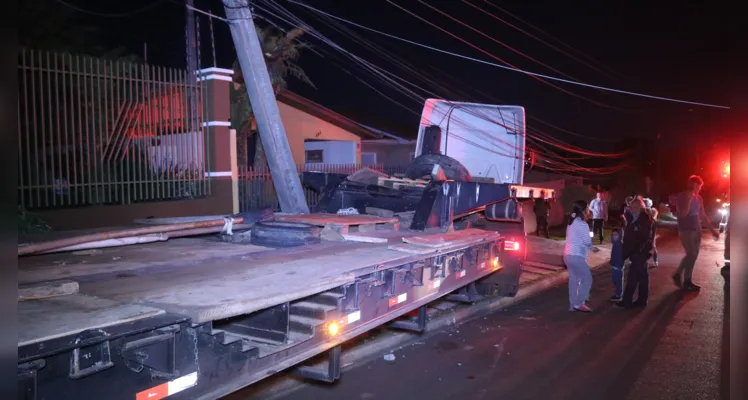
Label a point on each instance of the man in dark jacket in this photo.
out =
(637, 245)
(542, 209)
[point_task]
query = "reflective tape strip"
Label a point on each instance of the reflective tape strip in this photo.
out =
(216, 123)
(221, 173)
(216, 77)
(214, 69)
(169, 388)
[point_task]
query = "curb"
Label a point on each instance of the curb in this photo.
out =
(283, 385)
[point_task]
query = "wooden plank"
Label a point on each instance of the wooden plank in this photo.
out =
(211, 291)
(451, 238)
(539, 265)
(344, 220)
(44, 290)
(527, 278)
(354, 237)
(411, 249)
(380, 212)
(217, 288)
(537, 271)
(50, 318)
(128, 259)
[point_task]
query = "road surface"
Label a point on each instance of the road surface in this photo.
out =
(676, 348)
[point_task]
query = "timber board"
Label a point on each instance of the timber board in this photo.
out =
(55, 317)
(213, 289)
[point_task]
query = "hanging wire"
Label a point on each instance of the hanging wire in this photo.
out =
(506, 67)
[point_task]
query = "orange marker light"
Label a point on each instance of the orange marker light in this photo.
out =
(333, 328)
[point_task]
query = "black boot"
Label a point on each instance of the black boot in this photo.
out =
(689, 286)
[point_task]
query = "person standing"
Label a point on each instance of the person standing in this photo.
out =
(691, 217)
(653, 213)
(599, 210)
(636, 248)
(542, 210)
(626, 209)
(617, 263)
(577, 247)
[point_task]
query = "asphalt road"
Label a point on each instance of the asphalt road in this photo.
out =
(676, 348)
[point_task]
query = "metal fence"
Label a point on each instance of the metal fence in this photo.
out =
(98, 131)
(256, 190)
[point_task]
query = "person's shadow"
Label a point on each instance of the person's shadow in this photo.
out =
(640, 350)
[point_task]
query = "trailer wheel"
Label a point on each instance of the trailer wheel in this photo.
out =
(284, 234)
(424, 164)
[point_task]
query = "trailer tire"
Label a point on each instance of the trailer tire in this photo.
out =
(284, 234)
(424, 164)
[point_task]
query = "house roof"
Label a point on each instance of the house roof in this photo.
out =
(388, 137)
(303, 104)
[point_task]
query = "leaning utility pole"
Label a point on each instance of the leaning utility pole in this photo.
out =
(262, 97)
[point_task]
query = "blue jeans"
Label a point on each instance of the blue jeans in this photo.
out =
(618, 279)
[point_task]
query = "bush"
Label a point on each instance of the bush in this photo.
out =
(30, 223)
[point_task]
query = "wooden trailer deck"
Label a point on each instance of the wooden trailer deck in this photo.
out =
(208, 280)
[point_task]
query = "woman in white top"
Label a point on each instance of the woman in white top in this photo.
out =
(578, 245)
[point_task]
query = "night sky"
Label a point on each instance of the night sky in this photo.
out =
(667, 49)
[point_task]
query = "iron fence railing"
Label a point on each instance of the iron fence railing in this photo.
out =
(99, 131)
(256, 190)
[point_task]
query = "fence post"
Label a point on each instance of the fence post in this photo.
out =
(220, 140)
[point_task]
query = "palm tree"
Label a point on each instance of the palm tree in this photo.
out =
(281, 50)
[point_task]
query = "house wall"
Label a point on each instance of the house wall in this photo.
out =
(334, 151)
(300, 125)
(557, 210)
(389, 154)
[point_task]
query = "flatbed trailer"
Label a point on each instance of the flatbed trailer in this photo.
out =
(200, 319)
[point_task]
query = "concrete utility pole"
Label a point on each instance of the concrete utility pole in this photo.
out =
(192, 62)
(262, 97)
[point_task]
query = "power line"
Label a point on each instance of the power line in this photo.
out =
(112, 15)
(506, 67)
(512, 49)
(535, 37)
(491, 55)
(409, 93)
(561, 162)
(568, 46)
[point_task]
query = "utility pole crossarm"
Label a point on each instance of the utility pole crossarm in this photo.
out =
(265, 108)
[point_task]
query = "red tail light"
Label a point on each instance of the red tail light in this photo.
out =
(511, 245)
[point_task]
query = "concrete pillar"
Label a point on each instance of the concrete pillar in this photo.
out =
(220, 140)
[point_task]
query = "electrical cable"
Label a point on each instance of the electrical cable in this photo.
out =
(536, 77)
(609, 72)
(112, 15)
(380, 70)
(506, 67)
(535, 37)
(512, 49)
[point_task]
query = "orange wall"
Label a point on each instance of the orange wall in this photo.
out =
(300, 125)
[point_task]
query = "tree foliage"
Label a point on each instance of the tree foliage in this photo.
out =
(282, 50)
